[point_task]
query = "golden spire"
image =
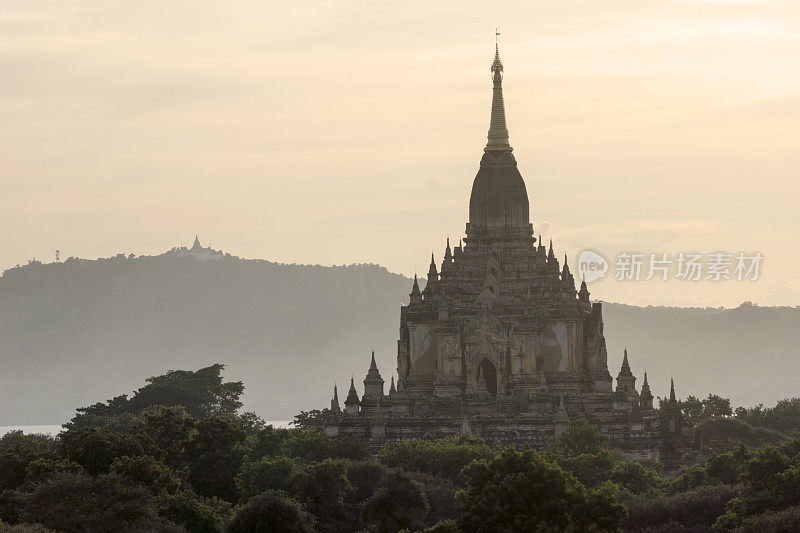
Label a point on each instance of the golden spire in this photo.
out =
(498, 132)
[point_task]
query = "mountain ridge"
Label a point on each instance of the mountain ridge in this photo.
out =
(291, 331)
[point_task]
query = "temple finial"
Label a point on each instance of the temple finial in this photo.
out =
(498, 132)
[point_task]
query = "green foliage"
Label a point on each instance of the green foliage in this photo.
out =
(41, 469)
(784, 417)
(445, 526)
(696, 410)
(760, 470)
(194, 513)
(77, 502)
(95, 448)
(441, 495)
(271, 511)
(147, 471)
(268, 473)
(17, 451)
(778, 521)
(172, 430)
(689, 479)
(598, 510)
(364, 477)
(321, 487)
(724, 434)
(581, 438)
(398, 503)
(635, 476)
(312, 445)
(311, 419)
(267, 442)
(526, 492)
(202, 393)
(727, 467)
(218, 442)
(592, 470)
(699, 507)
(444, 457)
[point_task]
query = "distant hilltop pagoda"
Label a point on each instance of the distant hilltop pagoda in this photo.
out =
(198, 251)
(500, 344)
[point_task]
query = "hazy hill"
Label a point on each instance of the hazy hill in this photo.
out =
(77, 332)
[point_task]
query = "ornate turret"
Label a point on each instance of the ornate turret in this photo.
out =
(566, 277)
(498, 205)
(561, 418)
(448, 256)
(335, 401)
(415, 296)
(583, 294)
(671, 425)
(498, 131)
(646, 397)
(673, 401)
(352, 403)
(392, 390)
(626, 382)
(373, 383)
(433, 277)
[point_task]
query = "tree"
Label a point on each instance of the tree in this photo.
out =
(77, 502)
(697, 508)
(195, 513)
(321, 488)
(579, 439)
(312, 445)
(524, 491)
(202, 393)
(215, 456)
(398, 503)
(599, 510)
(271, 511)
(268, 473)
(17, 451)
(592, 470)
(442, 457)
(172, 430)
(635, 477)
(41, 469)
(311, 419)
(96, 448)
(148, 472)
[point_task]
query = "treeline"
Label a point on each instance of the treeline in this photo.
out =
(178, 456)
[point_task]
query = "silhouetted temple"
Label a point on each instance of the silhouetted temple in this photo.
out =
(501, 344)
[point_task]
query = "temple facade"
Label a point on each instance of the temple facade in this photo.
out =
(501, 344)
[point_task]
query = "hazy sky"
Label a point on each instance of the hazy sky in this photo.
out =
(341, 132)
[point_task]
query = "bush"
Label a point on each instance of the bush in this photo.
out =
(195, 513)
(696, 508)
(398, 503)
(269, 473)
(271, 511)
(77, 502)
(441, 495)
(444, 457)
(364, 477)
(786, 520)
